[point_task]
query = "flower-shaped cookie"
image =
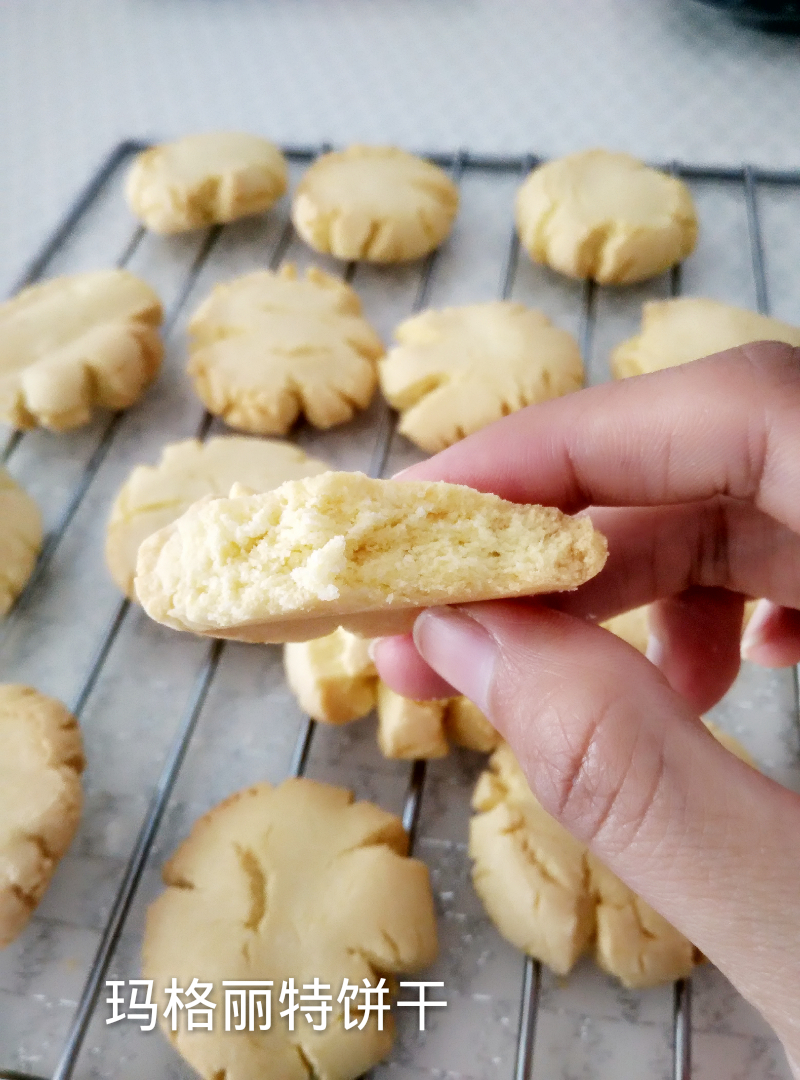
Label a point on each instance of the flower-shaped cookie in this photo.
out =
(552, 898)
(376, 203)
(689, 327)
(204, 180)
(293, 882)
(40, 798)
(20, 539)
(455, 371)
(335, 681)
(268, 346)
(155, 495)
(76, 343)
(605, 216)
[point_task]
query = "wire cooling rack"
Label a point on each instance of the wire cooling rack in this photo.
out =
(172, 724)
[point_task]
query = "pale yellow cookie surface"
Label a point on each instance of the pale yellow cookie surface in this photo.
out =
(270, 346)
(332, 677)
(335, 681)
(552, 898)
(20, 539)
(605, 216)
(634, 627)
(340, 549)
(40, 798)
(687, 328)
(631, 626)
(205, 180)
(72, 344)
(155, 495)
(529, 872)
(294, 882)
(456, 370)
(376, 203)
(409, 729)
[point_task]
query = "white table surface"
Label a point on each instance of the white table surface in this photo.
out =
(76, 76)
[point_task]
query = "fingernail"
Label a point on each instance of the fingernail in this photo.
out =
(753, 635)
(655, 650)
(459, 650)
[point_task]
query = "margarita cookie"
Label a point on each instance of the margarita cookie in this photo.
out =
(687, 328)
(40, 798)
(410, 729)
(376, 203)
(340, 549)
(301, 883)
(605, 216)
(73, 344)
(455, 371)
(20, 539)
(269, 347)
(205, 180)
(335, 681)
(552, 898)
(153, 496)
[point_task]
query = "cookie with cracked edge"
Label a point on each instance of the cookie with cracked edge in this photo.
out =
(335, 681)
(40, 798)
(687, 328)
(205, 179)
(269, 347)
(290, 882)
(20, 539)
(551, 897)
(458, 369)
(605, 216)
(376, 203)
(77, 343)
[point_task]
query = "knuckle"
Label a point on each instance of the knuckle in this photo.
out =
(592, 766)
(773, 364)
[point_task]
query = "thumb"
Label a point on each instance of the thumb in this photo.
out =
(621, 760)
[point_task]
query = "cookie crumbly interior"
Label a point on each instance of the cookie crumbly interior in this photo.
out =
(347, 543)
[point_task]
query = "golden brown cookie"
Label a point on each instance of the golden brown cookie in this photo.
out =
(552, 898)
(294, 882)
(153, 496)
(340, 549)
(332, 677)
(687, 328)
(40, 798)
(456, 370)
(335, 681)
(376, 203)
(605, 216)
(20, 539)
(76, 343)
(205, 180)
(270, 346)
(529, 872)
(409, 729)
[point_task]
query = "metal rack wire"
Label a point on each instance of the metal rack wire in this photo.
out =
(459, 163)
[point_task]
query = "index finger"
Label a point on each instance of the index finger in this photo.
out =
(726, 425)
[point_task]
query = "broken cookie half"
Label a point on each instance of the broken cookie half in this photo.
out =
(340, 549)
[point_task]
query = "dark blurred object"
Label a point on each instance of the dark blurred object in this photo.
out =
(779, 15)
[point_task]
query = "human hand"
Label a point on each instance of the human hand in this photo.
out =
(693, 474)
